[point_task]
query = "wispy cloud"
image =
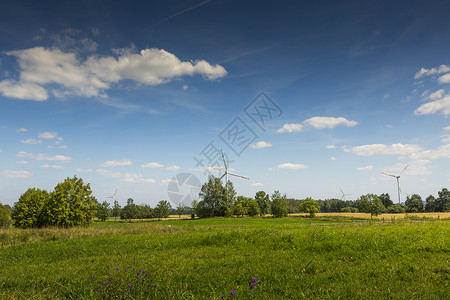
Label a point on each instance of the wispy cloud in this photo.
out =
(366, 168)
(381, 149)
(52, 167)
(317, 123)
(291, 166)
(155, 165)
(41, 156)
(260, 145)
(116, 163)
(31, 141)
(15, 174)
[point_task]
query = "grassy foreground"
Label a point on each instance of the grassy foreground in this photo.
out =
(255, 258)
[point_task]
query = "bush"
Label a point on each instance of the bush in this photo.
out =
(27, 212)
(5, 216)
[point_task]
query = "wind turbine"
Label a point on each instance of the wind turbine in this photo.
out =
(113, 196)
(343, 194)
(398, 180)
(228, 173)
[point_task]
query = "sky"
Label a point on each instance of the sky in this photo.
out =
(311, 98)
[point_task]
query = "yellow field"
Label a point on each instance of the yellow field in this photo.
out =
(441, 215)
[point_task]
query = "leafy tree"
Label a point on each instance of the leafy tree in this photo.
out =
(370, 203)
(279, 205)
(27, 211)
(386, 200)
(310, 206)
(263, 202)
(70, 204)
(116, 209)
(146, 211)
(249, 206)
(162, 209)
(180, 210)
(414, 203)
(215, 199)
(396, 209)
(443, 201)
(5, 216)
(103, 211)
(129, 211)
(239, 210)
(349, 209)
(431, 204)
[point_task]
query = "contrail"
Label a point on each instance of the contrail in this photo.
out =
(177, 14)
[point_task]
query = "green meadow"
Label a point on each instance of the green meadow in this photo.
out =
(233, 258)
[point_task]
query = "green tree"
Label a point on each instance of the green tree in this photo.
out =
(162, 209)
(146, 211)
(5, 216)
(309, 206)
(249, 206)
(370, 203)
(103, 211)
(263, 201)
(443, 201)
(386, 200)
(414, 203)
(129, 211)
(431, 204)
(216, 201)
(396, 209)
(27, 212)
(279, 205)
(116, 209)
(70, 204)
(239, 210)
(180, 210)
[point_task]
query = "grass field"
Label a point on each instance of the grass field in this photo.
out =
(330, 257)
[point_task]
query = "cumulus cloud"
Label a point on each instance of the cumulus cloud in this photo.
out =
(318, 123)
(41, 67)
(155, 165)
(22, 130)
(108, 173)
(329, 122)
(366, 168)
(441, 152)
(15, 174)
(444, 78)
(436, 95)
(116, 163)
(292, 127)
(48, 135)
(291, 166)
(52, 167)
(332, 158)
(433, 71)
(21, 162)
(381, 149)
(41, 156)
(136, 178)
(331, 147)
(257, 184)
(441, 106)
(260, 145)
(31, 141)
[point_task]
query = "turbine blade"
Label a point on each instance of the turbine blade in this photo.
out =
(389, 175)
(245, 177)
(223, 175)
(224, 163)
(403, 170)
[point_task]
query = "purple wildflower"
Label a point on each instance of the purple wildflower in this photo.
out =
(232, 293)
(251, 286)
(129, 285)
(254, 280)
(96, 288)
(154, 285)
(125, 270)
(116, 268)
(104, 283)
(92, 276)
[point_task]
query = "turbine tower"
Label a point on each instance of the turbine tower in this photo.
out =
(228, 173)
(398, 181)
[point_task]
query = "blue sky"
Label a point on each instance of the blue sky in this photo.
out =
(127, 95)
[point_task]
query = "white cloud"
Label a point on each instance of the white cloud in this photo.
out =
(432, 71)
(444, 78)
(257, 184)
(22, 130)
(48, 135)
(442, 152)
(116, 163)
(332, 158)
(185, 87)
(71, 76)
(381, 149)
(152, 165)
(167, 181)
(436, 95)
(292, 127)
(22, 162)
(155, 165)
(446, 128)
(291, 166)
(136, 178)
(15, 174)
(108, 173)
(260, 145)
(328, 122)
(57, 146)
(52, 167)
(41, 156)
(438, 106)
(84, 170)
(366, 168)
(331, 147)
(31, 141)
(415, 167)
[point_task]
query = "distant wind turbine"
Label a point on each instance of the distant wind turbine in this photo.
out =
(228, 173)
(113, 196)
(343, 194)
(398, 181)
